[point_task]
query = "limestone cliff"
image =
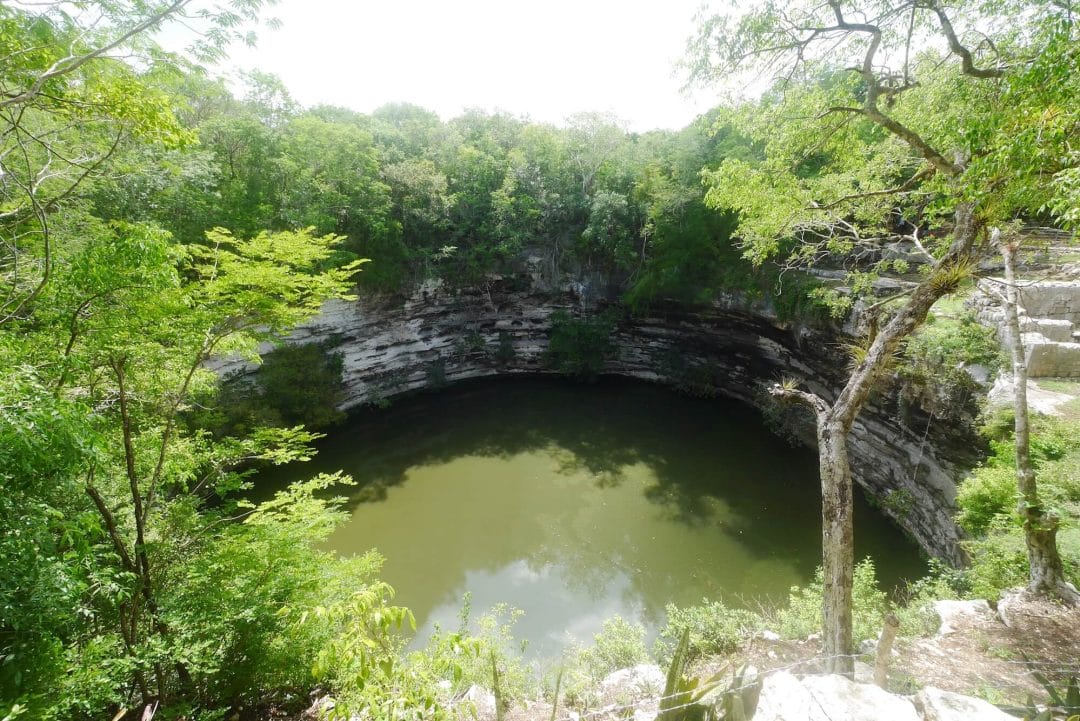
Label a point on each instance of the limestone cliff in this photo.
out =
(905, 460)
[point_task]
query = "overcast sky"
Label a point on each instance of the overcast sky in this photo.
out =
(544, 59)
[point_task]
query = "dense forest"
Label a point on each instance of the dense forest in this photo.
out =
(151, 219)
(422, 198)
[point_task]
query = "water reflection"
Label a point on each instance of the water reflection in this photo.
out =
(578, 502)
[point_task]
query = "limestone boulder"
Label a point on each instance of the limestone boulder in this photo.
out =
(478, 702)
(850, 701)
(959, 615)
(937, 705)
(634, 682)
(828, 698)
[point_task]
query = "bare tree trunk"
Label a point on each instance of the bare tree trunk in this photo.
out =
(838, 537)
(1040, 526)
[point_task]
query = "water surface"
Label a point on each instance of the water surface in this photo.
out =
(578, 502)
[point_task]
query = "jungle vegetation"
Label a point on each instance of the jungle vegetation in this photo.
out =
(150, 219)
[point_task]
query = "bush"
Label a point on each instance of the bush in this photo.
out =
(295, 385)
(998, 559)
(989, 492)
(302, 384)
(715, 628)
(619, 644)
(240, 607)
(802, 616)
(986, 502)
(916, 612)
(942, 347)
(464, 656)
(579, 347)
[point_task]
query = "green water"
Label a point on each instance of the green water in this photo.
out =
(578, 502)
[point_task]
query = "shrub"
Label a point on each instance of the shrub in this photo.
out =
(715, 628)
(241, 607)
(295, 385)
(579, 347)
(464, 656)
(998, 559)
(987, 502)
(802, 616)
(916, 612)
(619, 644)
(505, 352)
(302, 384)
(990, 491)
(943, 346)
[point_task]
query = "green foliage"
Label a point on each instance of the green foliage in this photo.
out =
(684, 376)
(987, 502)
(505, 352)
(989, 492)
(715, 629)
(579, 347)
(802, 616)
(998, 559)
(117, 348)
(235, 603)
(294, 385)
(943, 347)
(1063, 704)
(471, 649)
(915, 610)
(803, 298)
(619, 644)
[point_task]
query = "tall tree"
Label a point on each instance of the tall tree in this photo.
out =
(1046, 573)
(865, 140)
(70, 92)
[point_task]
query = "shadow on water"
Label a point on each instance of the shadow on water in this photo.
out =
(729, 509)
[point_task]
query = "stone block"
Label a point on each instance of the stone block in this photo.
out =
(1059, 331)
(1052, 299)
(1053, 360)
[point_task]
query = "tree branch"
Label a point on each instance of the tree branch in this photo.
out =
(966, 60)
(110, 524)
(814, 401)
(71, 63)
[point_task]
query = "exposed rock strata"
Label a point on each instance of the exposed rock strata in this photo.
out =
(906, 460)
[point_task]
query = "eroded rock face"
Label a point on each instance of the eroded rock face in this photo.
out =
(904, 458)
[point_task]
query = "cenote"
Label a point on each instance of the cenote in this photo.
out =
(577, 502)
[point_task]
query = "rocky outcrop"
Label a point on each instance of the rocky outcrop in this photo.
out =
(785, 697)
(901, 455)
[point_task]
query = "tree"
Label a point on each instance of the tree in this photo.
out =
(865, 141)
(71, 91)
(1045, 569)
(115, 353)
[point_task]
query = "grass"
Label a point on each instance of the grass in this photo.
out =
(951, 306)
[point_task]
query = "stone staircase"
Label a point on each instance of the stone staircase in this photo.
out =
(1049, 323)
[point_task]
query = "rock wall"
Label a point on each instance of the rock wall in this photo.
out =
(905, 460)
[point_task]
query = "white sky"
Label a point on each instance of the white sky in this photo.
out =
(545, 59)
